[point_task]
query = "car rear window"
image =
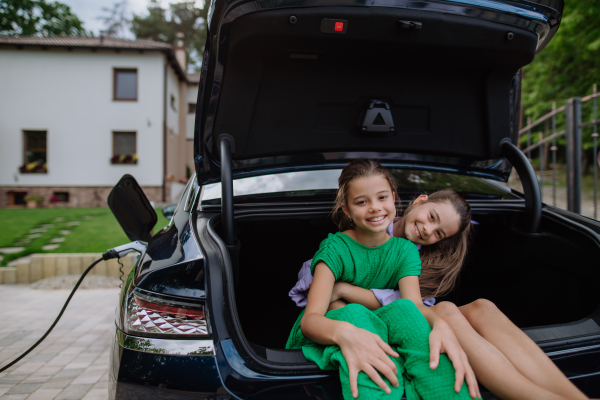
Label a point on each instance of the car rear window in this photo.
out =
(321, 185)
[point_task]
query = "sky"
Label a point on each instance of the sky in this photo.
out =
(89, 10)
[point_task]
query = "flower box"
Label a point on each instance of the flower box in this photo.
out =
(124, 159)
(35, 167)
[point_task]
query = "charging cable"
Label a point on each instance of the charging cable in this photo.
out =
(116, 252)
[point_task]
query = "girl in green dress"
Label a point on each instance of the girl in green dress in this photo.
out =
(401, 348)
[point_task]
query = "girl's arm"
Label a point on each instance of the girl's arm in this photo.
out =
(441, 339)
(355, 294)
(363, 350)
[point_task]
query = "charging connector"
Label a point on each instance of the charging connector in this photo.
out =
(121, 251)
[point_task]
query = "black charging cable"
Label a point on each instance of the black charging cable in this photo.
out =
(106, 256)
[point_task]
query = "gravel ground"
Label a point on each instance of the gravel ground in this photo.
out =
(69, 281)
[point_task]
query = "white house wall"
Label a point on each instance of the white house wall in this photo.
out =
(70, 95)
(192, 97)
(172, 112)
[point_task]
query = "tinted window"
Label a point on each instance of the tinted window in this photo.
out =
(125, 85)
(322, 185)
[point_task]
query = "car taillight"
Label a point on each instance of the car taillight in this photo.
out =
(162, 316)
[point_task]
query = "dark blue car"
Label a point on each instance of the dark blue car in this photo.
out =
(290, 91)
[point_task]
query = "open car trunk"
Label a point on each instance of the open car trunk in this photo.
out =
(545, 283)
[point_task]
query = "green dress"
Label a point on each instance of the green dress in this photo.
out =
(399, 324)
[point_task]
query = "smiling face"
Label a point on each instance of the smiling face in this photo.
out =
(430, 222)
(370, 204)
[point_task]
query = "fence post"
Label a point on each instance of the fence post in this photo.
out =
(595, 162)
(529, 138)
(573, 116)
(554, 148)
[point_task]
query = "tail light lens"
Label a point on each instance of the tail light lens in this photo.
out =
(153, 316)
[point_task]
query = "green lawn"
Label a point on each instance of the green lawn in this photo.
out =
(97, 231)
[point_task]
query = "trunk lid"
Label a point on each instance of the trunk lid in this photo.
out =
(431, 82)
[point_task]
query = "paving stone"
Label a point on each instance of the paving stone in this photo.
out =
(58, 219)
(68, 373)
(88, 376)
(13, 379)
(102, 384)
(44, 394)
(55, 383)
(47, 226)
(73, 223)
(88, 217)
(34, 235)
(74, 392)
(38, 230)
(15, 396)
(24, 388)
(29, 367)
(57, 240)
(64, 232)
(10, 250)
(37, 379)
(80, 338)
(96, 394)
(49, 247)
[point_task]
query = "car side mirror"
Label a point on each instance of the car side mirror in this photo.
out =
(131, 208)
(169, 210)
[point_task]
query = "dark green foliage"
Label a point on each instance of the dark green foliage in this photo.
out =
(569, 65)
(163, 25)
(38, 17)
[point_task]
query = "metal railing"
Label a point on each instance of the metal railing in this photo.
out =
(572, 131)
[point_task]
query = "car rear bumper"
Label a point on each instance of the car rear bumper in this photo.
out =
(150, 372)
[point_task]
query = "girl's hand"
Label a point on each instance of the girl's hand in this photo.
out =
(367, 352)
(443, 340)
(337, 291)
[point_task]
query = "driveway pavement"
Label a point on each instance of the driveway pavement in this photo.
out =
(72, 363)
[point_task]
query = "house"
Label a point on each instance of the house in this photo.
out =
(77, 113)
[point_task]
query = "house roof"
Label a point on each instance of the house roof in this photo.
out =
(93, 43)
(193, 78)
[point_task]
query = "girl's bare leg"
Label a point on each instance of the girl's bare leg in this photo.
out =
(489, 322)
(491, 367)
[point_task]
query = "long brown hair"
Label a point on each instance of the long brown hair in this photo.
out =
(359, 168)
(441, 262)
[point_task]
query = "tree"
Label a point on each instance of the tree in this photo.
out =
(568, 67)
(116, 22)
(163, 25)
(38, 17)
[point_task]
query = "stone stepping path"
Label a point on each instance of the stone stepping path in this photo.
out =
(37, 233)
(10, 250)
(18, 260)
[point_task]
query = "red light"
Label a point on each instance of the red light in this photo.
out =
(171, 310)
(339, 26)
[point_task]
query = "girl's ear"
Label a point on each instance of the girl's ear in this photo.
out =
(345, 210)
(420, 200)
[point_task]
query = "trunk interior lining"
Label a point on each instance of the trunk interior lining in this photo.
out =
(535, 279)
